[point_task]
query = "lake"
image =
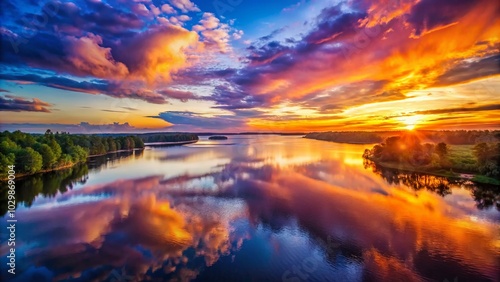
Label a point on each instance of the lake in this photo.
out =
(252, 208)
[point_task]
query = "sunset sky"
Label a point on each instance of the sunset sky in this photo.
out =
(95, 66)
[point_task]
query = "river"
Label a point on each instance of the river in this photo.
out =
(251, 208)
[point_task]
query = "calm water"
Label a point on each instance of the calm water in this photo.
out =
(252, 208)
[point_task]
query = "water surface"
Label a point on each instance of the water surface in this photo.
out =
(252, 208)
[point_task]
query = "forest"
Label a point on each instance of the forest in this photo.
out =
(406, 151)
(32, 153)
(167, 137)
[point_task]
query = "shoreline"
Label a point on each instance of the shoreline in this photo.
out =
(117, 151)
(23, 175)
(159, 144)
(477, 178)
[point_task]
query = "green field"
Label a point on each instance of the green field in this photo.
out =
(462, 158)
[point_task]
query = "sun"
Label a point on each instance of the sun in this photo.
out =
(410, 122)
(410, 126)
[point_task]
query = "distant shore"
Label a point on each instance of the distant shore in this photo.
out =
(160, 144)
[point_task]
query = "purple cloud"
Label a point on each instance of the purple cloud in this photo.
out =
(13, 103)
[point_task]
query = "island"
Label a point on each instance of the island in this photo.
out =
(217, 137)
(478, 162)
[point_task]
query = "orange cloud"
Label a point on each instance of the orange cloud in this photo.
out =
(87, 56)
(155, 54)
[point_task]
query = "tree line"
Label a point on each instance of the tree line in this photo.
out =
(458, 137)
(168, 137)
(43, 152)
(347, 136)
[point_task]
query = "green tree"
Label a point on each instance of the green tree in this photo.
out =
(29, 160)
(56, 148)
(442, 149)
(78, 154)
(481, 151)
(8, 146)
(48, 157)
(5, 161)
(111, 144)
(138, 142)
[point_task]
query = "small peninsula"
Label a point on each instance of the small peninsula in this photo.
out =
(477, 162)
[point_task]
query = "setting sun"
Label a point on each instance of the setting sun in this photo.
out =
(410, 127)
(410, 122)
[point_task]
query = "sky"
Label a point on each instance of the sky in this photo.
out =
(90, 66)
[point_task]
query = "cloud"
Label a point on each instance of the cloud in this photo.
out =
(216, 35)
(346, 49)
(167, 9)
(185, 5)
(209, 21)
(183, 96)
(154, 54)
(470, 69)
(238, 34)
(194, 121)
(272, 34)
(13, 103)
(491, 107)
(105, 87)
(106, 42)
(429, 15)
(89, 58)
(140, 9)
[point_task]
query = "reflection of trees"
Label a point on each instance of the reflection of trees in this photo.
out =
(47, 184)
(485, 195)
(51, 183)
